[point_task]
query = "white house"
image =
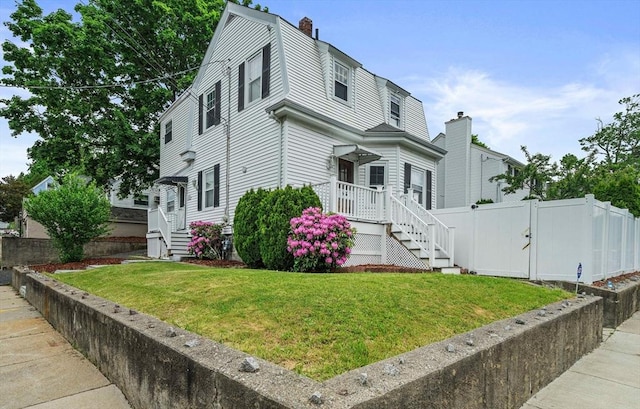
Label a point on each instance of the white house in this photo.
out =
(464, 173)
(273, 106)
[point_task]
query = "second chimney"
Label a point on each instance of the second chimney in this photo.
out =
(306, 26)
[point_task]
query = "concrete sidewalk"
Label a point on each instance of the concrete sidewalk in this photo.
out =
(39, 369)
(607, 378)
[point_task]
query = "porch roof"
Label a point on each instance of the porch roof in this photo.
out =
(356, 153)
(171, 180)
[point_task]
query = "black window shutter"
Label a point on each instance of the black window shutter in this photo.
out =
(407, 177)
(427, 205)
(200, 187)
(266, 70)
(200, 109)
(216, 185)
(241, 87)
(216, 115)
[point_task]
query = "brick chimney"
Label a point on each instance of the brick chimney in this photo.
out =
(306, 26)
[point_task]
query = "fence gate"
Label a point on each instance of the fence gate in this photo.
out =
(502, 234)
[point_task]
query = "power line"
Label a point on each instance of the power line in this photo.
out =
(115, 85)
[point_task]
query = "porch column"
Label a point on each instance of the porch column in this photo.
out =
(333, 194)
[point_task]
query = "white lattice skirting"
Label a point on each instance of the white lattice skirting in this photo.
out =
(372, 245)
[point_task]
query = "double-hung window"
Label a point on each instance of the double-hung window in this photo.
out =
(212, 187)
(376, 176)
(168, 131)
(341, 81)
(394, 110)
(254, 77)
(211, 108)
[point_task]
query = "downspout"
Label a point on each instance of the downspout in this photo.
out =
(228, 153)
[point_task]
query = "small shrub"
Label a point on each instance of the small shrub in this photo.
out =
(206, 240)
(246, 233)
(319, 242)
(484, 201)
(274, 214)
(74, 213)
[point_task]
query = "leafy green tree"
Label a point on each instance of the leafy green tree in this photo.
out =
(534, 177)
(12, 191)
(621, 188)
(617, 144)
(476, 141)
(573, 178)
(98, 85)
(73, 214)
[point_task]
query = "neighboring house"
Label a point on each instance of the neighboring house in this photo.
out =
(272, 106)
(463, 175)
(128, 215)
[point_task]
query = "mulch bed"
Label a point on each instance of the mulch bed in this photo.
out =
(618, 279)
(76, 265)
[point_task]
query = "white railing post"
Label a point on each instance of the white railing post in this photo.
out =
(432, 244)
(452, 244)
(387, 203)
(333, 194)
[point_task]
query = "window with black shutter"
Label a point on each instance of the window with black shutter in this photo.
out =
(429, 191)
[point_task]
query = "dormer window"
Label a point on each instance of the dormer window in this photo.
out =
(394, 110)
(341, 81)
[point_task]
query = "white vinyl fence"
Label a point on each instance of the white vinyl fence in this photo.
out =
(546, 240)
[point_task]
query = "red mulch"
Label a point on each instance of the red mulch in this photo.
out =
(623, 277)
(76, 265)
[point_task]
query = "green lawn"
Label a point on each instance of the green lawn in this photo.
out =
(319, 325)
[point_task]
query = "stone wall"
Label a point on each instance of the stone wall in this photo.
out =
(497, 366)
(16, 251)
(619, 304)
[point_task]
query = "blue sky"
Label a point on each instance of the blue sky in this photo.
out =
(535, 73)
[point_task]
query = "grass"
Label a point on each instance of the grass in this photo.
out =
(319, 325)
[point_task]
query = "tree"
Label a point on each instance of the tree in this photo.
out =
(618, 143)
(476, 141)
(73, 214)
(573, 178)
(12, 191)
(621, 188)
(98, 85)
(534, 177)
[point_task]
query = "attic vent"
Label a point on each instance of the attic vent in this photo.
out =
(306, 26)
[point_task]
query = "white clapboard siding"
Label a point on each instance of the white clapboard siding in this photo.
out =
(170, 160)
(310, 74)
(415, 122)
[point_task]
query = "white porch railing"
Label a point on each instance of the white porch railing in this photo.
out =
(158, 221)
(352, 201)
(444, 235)
(365, 204)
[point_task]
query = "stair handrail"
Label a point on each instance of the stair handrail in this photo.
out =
(443, 233)
(158, 221)
(413, 226)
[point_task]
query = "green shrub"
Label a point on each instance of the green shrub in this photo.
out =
(274, 214)
(246, 233)
(74, 213)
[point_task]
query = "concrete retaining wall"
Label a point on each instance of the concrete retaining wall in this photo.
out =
(507, 363)
(619, 304)
(17, 251)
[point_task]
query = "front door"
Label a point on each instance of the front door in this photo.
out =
(345, 171)
(345, 193)
(182, 208)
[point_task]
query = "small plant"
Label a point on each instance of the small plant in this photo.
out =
(206, 240)
(74, 213)
(319, 242)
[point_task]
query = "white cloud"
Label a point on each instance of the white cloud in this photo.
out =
(548, 119)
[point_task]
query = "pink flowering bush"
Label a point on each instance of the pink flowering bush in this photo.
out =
(206, 240)
(319, 242)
